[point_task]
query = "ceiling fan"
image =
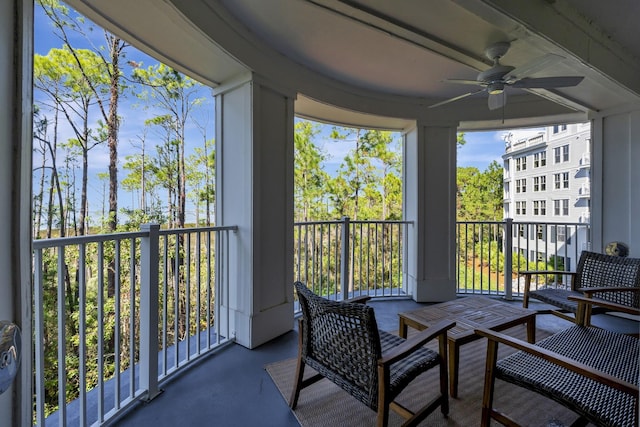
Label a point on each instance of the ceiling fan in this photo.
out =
(498, 77)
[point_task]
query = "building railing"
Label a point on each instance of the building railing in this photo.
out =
(343, 258)
(490, 254)
(116, 315)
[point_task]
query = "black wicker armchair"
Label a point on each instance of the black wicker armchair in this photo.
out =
(607, 277)
(593, 372)
(341, 341)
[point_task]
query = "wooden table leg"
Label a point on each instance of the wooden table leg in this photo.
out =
(403, 328)
(454, 360)
(531, 329)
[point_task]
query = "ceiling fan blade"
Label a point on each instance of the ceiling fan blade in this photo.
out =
(548, 82)
(532, 67)
(498, 100)
(465, 82)
(455, 98)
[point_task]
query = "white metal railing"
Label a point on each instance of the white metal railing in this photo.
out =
(584, 190)
(117, 314)
(585, 159)
(490, 254)
(343, 258)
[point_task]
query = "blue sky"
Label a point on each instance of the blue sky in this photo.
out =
(480, 150)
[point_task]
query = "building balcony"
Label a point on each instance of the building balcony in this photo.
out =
(182, 340)
(584, 191)
(585, 160)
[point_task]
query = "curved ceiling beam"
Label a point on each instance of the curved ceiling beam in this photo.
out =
(560, 24)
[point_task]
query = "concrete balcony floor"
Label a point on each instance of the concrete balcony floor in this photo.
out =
(232, 388)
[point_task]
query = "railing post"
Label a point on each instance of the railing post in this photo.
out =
(508, 258)
(149, 260)
(344, 259)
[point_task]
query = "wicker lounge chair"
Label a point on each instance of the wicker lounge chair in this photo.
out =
(592, 371)
(341, 341)
(600, 276)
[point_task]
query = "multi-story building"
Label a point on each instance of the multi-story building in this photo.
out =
(547, 192)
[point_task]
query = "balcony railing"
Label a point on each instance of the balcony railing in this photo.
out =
(116, 315)
(343, 258)
(490, 254)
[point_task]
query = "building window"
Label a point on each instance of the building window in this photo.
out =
(561, 180)
(506, 190)
(521, 185)
(539, 207)
(521, 164)
(561, 154)
(540, 232)
(539, 183)
(559, 128)
(521, 230)
(562, 234)
(540, 159)
(561, 207)
(521, 208)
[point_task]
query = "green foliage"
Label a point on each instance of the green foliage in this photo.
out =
(480, 194)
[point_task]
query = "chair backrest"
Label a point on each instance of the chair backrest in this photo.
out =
(341, 341)
(600, 270)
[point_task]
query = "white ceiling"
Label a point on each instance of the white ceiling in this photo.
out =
(393, 50)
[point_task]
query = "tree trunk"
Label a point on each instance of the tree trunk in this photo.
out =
(112, 132)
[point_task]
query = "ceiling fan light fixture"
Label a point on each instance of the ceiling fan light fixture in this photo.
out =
(495, 88)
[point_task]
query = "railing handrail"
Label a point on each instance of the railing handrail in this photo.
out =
(94, 238)
(194, 270)
(353, 221)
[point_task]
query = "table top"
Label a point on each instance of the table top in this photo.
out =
(469, 313)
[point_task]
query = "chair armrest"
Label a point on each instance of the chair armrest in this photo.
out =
(560, 360)
(415, 342)
(585, 303)
(590, 290)
(362, 299)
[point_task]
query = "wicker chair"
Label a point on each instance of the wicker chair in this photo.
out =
(592, 371)
(607, 277)
(341, 341)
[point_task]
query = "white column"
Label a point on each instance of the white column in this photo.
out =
(430, 202)
(615, 180)
(16, 56)
(254, 177)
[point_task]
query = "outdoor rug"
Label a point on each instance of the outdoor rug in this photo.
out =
(325, 404)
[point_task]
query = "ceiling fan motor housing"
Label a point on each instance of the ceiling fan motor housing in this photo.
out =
(494, 74)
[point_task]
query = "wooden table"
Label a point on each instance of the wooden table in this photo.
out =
(469, 313)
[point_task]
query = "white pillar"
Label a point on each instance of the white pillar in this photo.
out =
(430, 203)
(16, 56)
(254, 190)
(615, 180)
